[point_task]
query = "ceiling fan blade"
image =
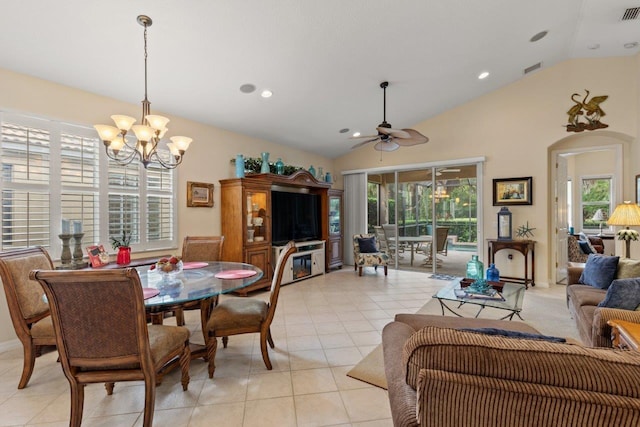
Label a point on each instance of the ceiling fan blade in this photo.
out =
(360, 144)
(396, 133)
(363, 136)
(414, 138)
(386, 146)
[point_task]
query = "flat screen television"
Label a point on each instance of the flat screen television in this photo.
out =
(295, 216)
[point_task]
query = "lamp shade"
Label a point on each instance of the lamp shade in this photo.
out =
(626, 213)
(600, 215)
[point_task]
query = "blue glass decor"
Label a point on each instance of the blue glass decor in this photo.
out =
(493, 274)
(279, 167)
(312, 171)
(475, 268)
(328, 177)
(239, 166)
(265, 163)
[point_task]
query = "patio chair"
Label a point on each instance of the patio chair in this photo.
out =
(439, 247)
(240, 315)
(28, 310)
(198, 248)
(102, 334)
(367, 253)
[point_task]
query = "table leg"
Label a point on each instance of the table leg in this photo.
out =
(411, 244)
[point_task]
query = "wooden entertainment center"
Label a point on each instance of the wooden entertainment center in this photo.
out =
(247, 221)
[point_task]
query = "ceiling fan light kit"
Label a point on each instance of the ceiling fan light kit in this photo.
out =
(389, 139)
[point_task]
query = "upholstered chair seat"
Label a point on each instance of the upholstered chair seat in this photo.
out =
(238, 313)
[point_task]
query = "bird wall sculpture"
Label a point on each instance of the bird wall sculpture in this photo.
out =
(589, 110)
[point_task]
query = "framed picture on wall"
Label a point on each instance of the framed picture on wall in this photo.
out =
(512, 191)
(199, 194)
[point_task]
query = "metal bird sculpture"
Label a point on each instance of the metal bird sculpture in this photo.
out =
(590, 110)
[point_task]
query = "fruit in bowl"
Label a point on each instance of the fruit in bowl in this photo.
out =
(168, 267)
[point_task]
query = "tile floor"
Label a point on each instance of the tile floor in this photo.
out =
(323, 327)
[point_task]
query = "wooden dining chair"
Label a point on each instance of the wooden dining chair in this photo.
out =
(28, 310)
(102, 334)
(241, 315)
(194, 249)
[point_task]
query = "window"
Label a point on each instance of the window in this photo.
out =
(53, 170)
(596, 194)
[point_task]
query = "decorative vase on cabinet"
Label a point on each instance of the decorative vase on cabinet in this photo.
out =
(239, 166)
(265, 163)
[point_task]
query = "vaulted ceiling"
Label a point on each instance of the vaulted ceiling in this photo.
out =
(323, 60)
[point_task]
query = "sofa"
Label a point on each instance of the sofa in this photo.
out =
(441, 374)
(583, 300)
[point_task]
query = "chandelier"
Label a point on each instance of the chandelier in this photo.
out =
(148, 134)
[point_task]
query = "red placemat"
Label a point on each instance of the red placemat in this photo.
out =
(193, 264)
(150, 292)
(235, 274)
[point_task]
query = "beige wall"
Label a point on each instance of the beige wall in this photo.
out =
(207, 160)
(514, 128)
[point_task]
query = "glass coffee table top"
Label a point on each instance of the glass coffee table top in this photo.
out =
(451, 298)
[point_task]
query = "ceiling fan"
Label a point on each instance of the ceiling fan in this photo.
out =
(389, 139)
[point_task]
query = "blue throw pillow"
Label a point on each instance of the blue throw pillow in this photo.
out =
(514, 334)
(599, 271)
(367, 245)
(586, 248)
(623, 293)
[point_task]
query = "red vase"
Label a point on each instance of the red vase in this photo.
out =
(124, 255)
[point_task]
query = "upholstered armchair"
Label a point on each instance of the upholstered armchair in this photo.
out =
(367, 253)
(576, 253)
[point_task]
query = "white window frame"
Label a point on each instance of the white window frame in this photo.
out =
(605, 228)
(55, 189)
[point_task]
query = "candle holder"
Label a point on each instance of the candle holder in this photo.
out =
(77, 252)
(65, 257)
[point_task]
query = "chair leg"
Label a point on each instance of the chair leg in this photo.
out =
(360, 271)
(109, 388)
(385, 270)
(355, 267)
(225, 341)
(212, 346)
(149, 401)
(28, 363)
(185, 362)
(270, 339)
(263, 348)
(77, 403)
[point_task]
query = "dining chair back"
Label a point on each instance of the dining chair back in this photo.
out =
(202, 248)
(241, 315)
(28, 310)
(102, 334)
(198, 248)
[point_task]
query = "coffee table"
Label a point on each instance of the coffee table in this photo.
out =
(512, 295)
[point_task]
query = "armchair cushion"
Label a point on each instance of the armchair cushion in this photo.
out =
(367, 245)
(623, 293)
(599, 271)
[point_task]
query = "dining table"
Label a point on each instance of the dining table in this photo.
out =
(198, 281)
(411, 241)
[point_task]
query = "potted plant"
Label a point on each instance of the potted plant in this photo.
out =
(122, 245)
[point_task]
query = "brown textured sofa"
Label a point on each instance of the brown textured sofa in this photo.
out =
(439, 375)
(583, 301)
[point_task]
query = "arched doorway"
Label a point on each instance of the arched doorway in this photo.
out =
(605, 153)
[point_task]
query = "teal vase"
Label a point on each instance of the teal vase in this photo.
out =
(239, 166)
(475, 268)
(280, 167)
(265, 163)
(312, 171)
(493, 274)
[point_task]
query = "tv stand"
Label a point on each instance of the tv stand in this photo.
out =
(307, 262)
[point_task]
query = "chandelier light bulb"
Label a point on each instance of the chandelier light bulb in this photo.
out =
(157, 122)
(123, 122)
(106, 132)
(143, 133)
(181, 142)
(117, 143)
(174, 150)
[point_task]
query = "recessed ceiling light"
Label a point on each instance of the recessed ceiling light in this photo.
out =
(631, 45)
(247, 88)
(593, 46)
(356, 134)
(266, 93)
(538, 36)
(483, 75)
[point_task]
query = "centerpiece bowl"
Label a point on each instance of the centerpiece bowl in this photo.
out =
(168, 269)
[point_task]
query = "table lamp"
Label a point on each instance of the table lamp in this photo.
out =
(600, 216)
(626, 214)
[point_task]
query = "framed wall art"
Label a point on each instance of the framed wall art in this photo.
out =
(199, 194)
(512, 191)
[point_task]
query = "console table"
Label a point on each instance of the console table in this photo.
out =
(526, 248)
